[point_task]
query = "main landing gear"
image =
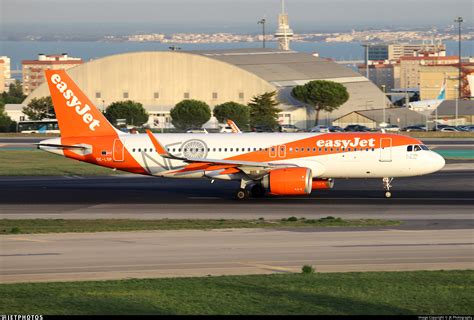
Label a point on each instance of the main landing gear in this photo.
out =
(247, 189)
(387, 185)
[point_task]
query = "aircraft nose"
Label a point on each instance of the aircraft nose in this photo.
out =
(437, 162)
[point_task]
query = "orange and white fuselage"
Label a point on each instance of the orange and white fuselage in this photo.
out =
(291, 163)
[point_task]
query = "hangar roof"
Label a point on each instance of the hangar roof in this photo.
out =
(284, 68)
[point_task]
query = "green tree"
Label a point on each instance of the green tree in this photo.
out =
(6, 123)
(263, 110)
(239, 113)
(190, 113)
(132, 111)
(321, 95)
(14, 94)
(40, 108)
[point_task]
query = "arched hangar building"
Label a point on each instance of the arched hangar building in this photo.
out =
(161, 79)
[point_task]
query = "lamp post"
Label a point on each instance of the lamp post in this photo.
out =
(459, 20)
(262, 22)
(383, 101)
(456, 114)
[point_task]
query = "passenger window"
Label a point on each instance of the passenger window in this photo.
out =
(220, 149)
(231, 149)
(225, 149)
(139, 150)
(291, 149)
(320, 149)
(348, 149)
(314, 149)
(133, 149)
(296, 149)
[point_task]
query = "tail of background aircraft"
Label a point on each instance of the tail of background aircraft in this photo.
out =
(77, 115)
(442, 92)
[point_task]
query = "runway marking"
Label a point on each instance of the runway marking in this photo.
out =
(29, 240)
(268, 267)
(375, 199)
(203, 198)
(264, 263)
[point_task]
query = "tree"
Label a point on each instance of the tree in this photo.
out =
(239, 113)
(190, 113)
(14, 94)
(6, 123)
(321, 95)
(263, 111)
(132, 111)
(40, 108)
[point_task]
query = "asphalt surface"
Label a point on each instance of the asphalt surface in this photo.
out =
(445, 195)
(58, 257)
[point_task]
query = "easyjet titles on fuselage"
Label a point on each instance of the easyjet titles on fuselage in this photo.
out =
(74, 102)
(353, 143)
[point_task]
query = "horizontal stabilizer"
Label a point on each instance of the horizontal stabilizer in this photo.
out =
(60, 146)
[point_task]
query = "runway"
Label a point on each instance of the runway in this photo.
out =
(440, 196)
(59, 257)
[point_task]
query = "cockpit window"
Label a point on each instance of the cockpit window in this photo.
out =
(424, 147)
(410, 148)
(416, 148)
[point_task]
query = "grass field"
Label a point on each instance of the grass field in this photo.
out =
(420, 292)
(41, 163)
(10, 226)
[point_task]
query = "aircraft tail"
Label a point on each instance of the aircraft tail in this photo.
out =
(77, 116)
(442, 92)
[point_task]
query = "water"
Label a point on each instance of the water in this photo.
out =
(27, 50)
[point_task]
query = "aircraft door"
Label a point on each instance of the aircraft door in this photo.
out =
(385, 149)
(118, 152)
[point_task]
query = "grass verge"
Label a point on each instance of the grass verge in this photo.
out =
(20, 226)
(420, 292)
(41, 163)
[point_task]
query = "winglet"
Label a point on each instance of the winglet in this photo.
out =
(159, 148)
(234, 127)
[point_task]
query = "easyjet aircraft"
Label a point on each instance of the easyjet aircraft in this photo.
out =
(274, 163)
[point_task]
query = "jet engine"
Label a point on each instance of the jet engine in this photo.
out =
(288, 181)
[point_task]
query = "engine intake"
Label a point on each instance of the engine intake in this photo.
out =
(289, 181)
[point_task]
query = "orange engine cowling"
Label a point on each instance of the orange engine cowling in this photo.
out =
(289, 181)
(322, 184)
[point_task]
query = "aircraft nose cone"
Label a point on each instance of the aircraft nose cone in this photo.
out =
(438, 162)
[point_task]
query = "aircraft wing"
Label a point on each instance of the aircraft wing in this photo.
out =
(245, 166)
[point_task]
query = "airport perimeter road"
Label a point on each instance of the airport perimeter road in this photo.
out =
(440, 196)
(118, 255)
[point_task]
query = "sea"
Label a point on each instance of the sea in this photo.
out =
(87, 50)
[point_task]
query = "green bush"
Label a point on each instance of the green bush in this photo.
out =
(15, 230)
(293, 218)
(307, 269)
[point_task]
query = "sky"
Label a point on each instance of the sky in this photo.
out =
(132, 16)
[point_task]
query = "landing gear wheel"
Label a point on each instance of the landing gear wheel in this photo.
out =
(257, 190)
(388, 194)
(242, 194)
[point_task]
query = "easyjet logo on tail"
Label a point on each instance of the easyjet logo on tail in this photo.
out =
(73, 102)
(356, 142)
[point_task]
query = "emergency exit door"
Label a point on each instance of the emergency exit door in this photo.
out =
(386, 149)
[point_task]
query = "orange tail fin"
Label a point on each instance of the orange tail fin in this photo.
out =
(77, 116)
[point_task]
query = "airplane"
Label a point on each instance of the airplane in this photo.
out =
(283, 164)
(427, 105)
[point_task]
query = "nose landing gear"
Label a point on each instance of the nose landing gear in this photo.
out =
(387, 185)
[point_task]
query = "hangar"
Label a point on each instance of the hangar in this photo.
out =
(161, 79)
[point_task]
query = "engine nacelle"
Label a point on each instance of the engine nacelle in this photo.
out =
(289, 181)
(322, 184)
